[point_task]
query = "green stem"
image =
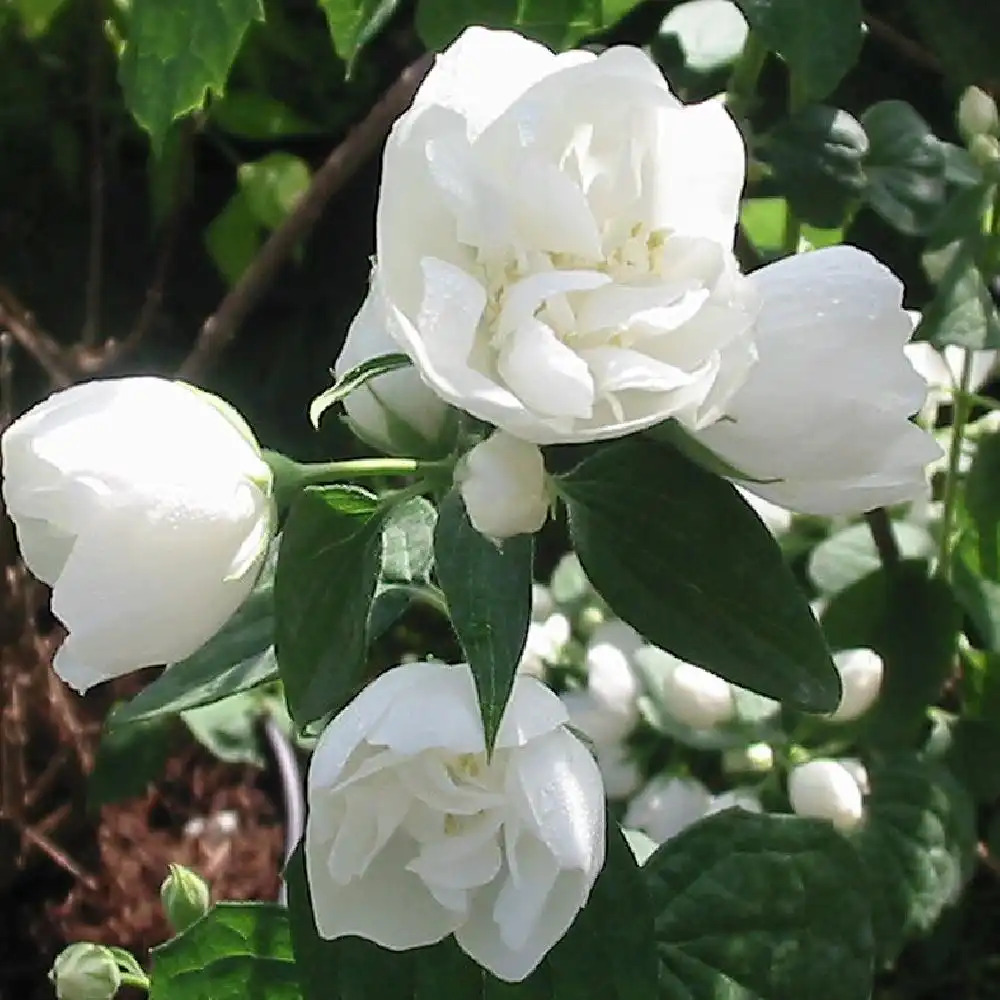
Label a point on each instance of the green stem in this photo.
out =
(959, 422)
(361, 468)
(741, 91)
(136, 981)
(792, 234)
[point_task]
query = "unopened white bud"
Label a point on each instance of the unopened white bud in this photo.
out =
(758, 758)
(668, 805)
(612, 682)
(693, 696)
(825, 789)
(977, 114)
(860, 679)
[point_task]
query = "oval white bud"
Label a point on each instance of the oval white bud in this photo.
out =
(977, 114)
(85, 971)
(860, 678)
(825, 789)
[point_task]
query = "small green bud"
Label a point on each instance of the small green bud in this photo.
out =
(977, 114)
(590, 618)
(85, 971)
(758, 758)
(185, 897)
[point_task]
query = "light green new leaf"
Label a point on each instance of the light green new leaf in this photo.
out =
(236, 950)
(819, 39)
(273, 186)
(750, 907)
(354, 379)
(680, 556)
(177, 51)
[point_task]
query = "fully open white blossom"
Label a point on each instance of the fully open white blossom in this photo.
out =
(504, 487)
(555, 253)
(145, 505)
(396, 412)
(413, 834)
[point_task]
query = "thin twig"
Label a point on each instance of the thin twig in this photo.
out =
(56, 854)
(880, 526)
(43, 348)
(6, 379)
(95, 251)
(361, 142)
(905, 46)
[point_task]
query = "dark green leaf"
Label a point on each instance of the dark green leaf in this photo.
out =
(236, 951)
(982, 501)
(354, 379)
(129, 758)
(817, 157)
(248, 114)
(558, 23)
(917, 846)
(973, 756)
(228, 728)
(679, 555)
(408, 542)
(233, 238)
(962, 311)
(239, 657)
(176, 52)
(354, 23)
(905, 165)
(328, 568)
(912, 621)
(488, 589)
(819, 39)
(752, 907)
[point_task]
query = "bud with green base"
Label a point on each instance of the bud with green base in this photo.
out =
(185, 897)
(85, 971)
(977, 114)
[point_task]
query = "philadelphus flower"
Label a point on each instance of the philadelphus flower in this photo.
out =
(860, 680)
(826, 789)
(693, 696)
(145, 505)
(504, 487)
(544, 644)
(395, 412)
(413, 834)
(555, 254)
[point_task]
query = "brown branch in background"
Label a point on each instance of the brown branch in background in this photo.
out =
(95, 252)
(880, 526)
(21, 325)
(6, 380)
(905, 46)
(361, 142)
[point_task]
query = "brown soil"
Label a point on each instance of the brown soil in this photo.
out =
(67, 874)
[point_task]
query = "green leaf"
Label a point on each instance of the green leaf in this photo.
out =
(558, 23)
(848, 555)
(354, 379)
(273, 186)
(711, 33)
(328, 568)
(609, 951)
(233, 238)
(982, 501)
(248, 114)
(916, 845)
(680, 556)
(408, 542)
(238, 658)
(817, 157)
(237, 950)
(764, 907)
(973, 756)
(905, 165)
(129, 758)
(354, 23)
(819, 39)
(488, 589)
(177, 51)
(764, 220)
(912, 622)
(228, 728)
